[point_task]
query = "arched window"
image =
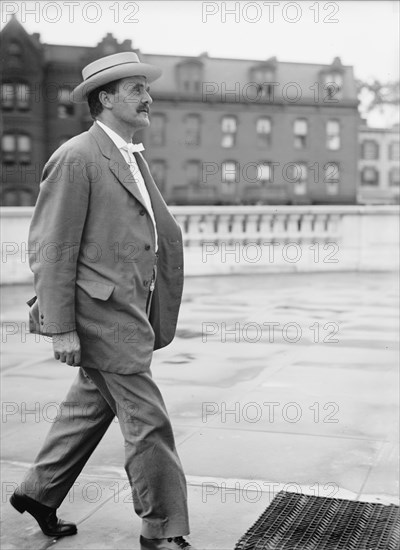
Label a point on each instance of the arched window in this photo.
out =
(332, 177)
(193, 172)
(192, 129)
(229, 175)
(333, 135)
(394, 176)
(369, 176)
(333, 85)
(65, 107)
(229, 129)
(157, 129)
(15, 95)
(370, 149)
(264, 129)
(190, 76)
(16, 148)
(300, 129)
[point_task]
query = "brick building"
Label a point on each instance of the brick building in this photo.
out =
(379, 173)
(223, 131)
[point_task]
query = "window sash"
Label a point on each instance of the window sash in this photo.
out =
(369, 175)
(229, 172)
(300, 127)
(394, 150)
(264, 173)
(22, 95)
(193, 172)
(370, 150)
(264, 126)
(332, 173)
(229, 125)
(7, 95)
(394, 176)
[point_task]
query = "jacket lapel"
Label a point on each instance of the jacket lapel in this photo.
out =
(117, 164)
(161, 212)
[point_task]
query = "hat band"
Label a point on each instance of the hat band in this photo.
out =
(112, 67)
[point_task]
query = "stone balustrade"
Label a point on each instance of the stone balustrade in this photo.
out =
(253, 239)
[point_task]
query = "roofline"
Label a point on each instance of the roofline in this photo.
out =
(243, 59)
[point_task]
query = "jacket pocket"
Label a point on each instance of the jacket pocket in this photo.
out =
(95, 289)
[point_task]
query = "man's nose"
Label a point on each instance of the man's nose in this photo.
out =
(147, 98)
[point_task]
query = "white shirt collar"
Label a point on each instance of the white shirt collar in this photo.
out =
(117, 139)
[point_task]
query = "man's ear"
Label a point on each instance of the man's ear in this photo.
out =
(105, 100)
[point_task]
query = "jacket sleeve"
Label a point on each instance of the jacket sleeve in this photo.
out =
(55, 236)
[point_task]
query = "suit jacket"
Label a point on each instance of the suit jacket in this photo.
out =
(92, 252)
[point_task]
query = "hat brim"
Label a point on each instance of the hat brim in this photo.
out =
(81, 92)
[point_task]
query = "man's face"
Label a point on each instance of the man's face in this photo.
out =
(131, 102)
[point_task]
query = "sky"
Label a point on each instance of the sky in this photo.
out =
(362, 33)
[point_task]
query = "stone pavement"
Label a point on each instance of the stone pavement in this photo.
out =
(311, 406)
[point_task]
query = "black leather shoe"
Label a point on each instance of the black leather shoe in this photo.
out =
(172, 543)
(44, 515)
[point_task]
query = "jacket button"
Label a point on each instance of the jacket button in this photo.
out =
(42, 316)
(147, 247)
(142, 212)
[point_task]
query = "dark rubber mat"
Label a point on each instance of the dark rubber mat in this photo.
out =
(299, 522)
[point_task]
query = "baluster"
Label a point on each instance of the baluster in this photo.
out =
(194, 228)
(237, 227)
(223, 223)
(319, 226)
(251, 228)
(279, 228)
(209, 227)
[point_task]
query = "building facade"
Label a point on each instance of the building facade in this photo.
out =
(223, 131)
(379, 173)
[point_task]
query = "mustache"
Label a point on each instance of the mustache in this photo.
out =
(143, 109)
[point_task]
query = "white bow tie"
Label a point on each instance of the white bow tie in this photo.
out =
(134, 147)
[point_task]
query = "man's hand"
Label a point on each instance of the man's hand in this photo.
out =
(67, 348)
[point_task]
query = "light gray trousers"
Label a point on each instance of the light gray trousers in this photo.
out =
(151, 460)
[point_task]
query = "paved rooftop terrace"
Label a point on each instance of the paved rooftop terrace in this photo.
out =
(310, 406)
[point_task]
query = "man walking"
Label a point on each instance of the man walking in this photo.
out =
(108, 267)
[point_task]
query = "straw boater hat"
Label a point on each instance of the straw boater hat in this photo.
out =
(109, 68)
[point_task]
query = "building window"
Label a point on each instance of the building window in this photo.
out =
(7, 96)
(16, 149)
(264, 132)
(369, 176)
(264, 77)
(333, 135)
(157, 129)
(228, 127)
(394, 150)
(369, 149)
(158, 170)
(300, 133)
(229, 175)
(394, 176)
(332, 178)
(297, 173)
(16, 197)
(65, 108)
(264, 173)
(333, 84)
(192, 130)
(190, 76)
(15, 96)
(193, 172)
(14, 48)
